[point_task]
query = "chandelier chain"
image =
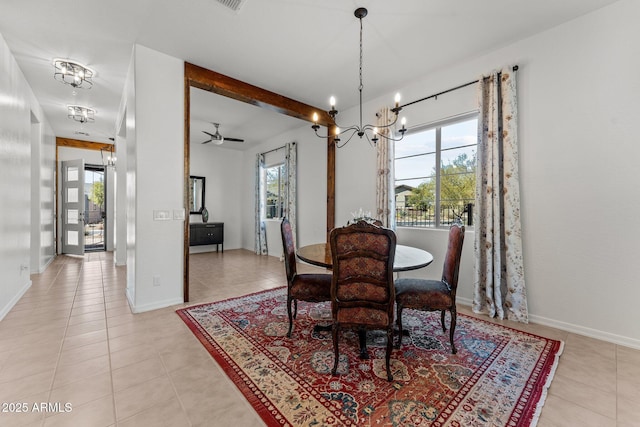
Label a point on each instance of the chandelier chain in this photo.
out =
(361, 85)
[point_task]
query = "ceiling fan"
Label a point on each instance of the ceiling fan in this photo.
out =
(217, 138)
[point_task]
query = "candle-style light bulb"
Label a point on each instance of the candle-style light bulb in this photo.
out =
(375, 131)
(403, 122)
(332, 102)
(397, 99)
(315, 118)
(337, 131)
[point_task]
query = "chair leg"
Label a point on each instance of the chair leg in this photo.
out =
(362, 339)
(388, 355)
(452, 329)
(399, 308)
(444, 328)
(334, 334)
(289, 301)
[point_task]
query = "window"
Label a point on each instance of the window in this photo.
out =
(430, 196)
(275, 179)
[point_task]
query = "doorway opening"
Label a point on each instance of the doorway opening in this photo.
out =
(94, 208)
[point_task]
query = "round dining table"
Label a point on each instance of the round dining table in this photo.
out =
(406, 257)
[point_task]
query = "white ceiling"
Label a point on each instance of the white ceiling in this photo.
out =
(302, 49)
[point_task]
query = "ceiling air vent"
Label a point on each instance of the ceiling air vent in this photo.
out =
(234, 5)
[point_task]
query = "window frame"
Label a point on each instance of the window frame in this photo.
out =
(282, 183)
(437, 127)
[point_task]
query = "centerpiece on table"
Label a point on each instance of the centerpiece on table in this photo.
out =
(361, 215)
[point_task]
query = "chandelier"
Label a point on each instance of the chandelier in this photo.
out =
(371, 132)
(81, 114)
(73, 73)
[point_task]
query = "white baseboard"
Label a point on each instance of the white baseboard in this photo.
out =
(46, 264)
(7, 308)
(576, 329)
(130, 299)
(588, 332)
(155, 305)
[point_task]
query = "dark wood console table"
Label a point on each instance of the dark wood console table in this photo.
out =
(207, 233)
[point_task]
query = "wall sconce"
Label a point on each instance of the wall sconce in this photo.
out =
(73, 73)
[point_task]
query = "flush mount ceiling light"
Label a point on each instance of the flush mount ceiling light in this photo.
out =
(81, 114)
(73, 73)
(361, 130)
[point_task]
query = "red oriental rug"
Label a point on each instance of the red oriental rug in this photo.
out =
(499, 377)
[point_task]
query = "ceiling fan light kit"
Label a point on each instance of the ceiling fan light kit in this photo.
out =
(217, 138)
(360, 129)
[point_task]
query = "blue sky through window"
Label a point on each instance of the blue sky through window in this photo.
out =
(415, 154)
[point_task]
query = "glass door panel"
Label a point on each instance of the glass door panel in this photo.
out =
(73, 207)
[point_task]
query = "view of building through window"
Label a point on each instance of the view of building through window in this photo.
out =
(435, 174)
(274, 189)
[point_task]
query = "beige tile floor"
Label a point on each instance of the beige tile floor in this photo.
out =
(72, 339)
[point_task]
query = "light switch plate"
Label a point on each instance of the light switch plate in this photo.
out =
(161, 215)
(178, 214)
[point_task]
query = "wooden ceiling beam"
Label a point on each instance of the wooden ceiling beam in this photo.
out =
(87, 145)
(211, 81)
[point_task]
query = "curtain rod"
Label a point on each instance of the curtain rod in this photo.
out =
(275, 149)
(436, 95)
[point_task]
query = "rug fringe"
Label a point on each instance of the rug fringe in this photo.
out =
(547, 384)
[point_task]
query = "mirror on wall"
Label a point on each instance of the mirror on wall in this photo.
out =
(196, 194)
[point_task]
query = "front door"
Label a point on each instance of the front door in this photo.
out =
(73, 207)
(95, 212)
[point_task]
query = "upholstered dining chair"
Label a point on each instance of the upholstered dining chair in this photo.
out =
(362, 292)
(309, 287)
(434, 295)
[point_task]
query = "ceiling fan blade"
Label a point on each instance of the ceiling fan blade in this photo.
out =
(210, 134)
(207, 141)
(233, 139)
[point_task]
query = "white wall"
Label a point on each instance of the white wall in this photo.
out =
(120, 176)
(17, 142)
(578, 104)
(222, 168)
(43, 221)
(35, 194)
(154, 111)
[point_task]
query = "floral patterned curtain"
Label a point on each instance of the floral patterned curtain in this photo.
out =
(385, 194)
(499, 273)
(291, 197)
(261, 235)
